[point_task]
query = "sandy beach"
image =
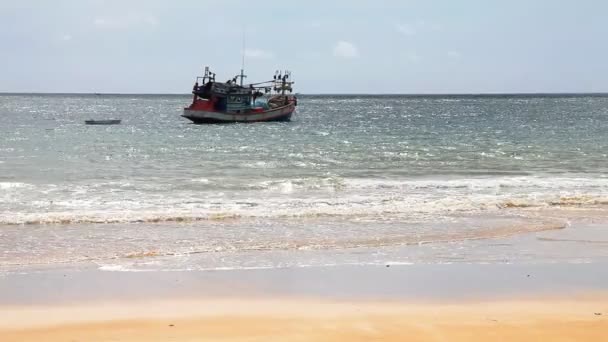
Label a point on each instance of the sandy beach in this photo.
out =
(583, 319)
(346, 303)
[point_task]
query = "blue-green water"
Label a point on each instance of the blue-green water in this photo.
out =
(347, 172)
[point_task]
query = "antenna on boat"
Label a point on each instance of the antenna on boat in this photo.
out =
(243, 61)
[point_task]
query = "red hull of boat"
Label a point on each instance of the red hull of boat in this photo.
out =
(200, 112)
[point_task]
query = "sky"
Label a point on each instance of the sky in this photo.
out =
(412, 47)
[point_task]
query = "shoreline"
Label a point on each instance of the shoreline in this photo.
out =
(574, 235)
(411, 283)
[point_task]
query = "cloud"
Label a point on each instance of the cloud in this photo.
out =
(103, 23)
(258, 54)
(436, 27)
(66, 37)
(419, 26)
(405, 30)
(344, 49)
(413, 57)
(125, 22)
(150, 20)
(454, 54)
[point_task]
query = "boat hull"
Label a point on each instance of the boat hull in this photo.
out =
(102, 122)
(209, 117)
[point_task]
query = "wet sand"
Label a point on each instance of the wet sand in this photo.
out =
(410, 283)
(459, 302)
(583, 319)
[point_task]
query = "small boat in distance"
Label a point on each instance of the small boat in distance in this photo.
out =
(103, 122)
(225, 102)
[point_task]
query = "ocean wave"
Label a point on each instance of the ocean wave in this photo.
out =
(14, 185)
(562, 201)
(362, 209)
(336, 183)
(344, 198)
(108, 218)
(524, 182)
(346, 184)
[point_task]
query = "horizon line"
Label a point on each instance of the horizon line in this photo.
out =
(326, 94)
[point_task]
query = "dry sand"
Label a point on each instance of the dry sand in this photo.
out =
(583, 319)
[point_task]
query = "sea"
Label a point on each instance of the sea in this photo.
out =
(351, 180)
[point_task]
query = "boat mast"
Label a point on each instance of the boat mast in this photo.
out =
(243, 61)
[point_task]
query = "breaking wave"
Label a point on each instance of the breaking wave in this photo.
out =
(349, 211)
(342, 198)
(13, 185)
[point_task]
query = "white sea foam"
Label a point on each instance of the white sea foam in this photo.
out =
(114, 268)
(138, 268)
(372, 199)
(128, 268)
(14, 185)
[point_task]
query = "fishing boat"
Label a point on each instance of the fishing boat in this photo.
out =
(232, 101)
(103, 122)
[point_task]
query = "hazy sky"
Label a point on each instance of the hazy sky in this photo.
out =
(432, 46)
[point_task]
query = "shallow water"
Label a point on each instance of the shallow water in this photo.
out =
(361, 174)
